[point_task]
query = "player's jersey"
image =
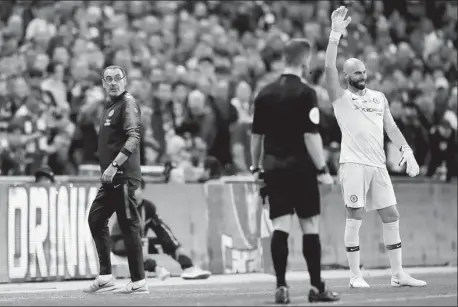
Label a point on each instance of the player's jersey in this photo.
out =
(360, 119)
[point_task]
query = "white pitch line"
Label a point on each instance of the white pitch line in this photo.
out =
(376, 300)
(217, 279)
(294, 298)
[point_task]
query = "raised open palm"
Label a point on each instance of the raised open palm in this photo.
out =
(338, 21)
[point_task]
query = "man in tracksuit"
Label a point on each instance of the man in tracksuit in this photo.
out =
(164, 242)
(119, 159)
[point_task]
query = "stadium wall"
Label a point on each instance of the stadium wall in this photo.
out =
(44, 233)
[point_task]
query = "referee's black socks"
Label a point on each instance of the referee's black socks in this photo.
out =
(311, 249)
(279, 250)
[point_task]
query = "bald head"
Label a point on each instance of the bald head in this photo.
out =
(355, 73)
(353, 65)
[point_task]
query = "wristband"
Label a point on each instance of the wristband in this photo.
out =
(335, 36)
(405, 148)
(323, 170)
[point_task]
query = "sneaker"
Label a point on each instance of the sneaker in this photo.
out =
(132, 288)
(162, 273)
(358, 282)
(282, 295)
(405, 280)
(325, 296)
(195, 273)
(99, 286)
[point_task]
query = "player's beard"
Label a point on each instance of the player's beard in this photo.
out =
(359, 85)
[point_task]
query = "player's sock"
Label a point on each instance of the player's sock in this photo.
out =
(311, 249)
(106, 277)
(279, 250)
(392, 241)
(184, 261)
(352, 245)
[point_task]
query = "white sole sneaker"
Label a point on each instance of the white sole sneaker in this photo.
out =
(358, 283)
(406, 281)
(131, 292)
(97, 288)
(106, 289)
(164, 275)
(417, 284)
(203, 275)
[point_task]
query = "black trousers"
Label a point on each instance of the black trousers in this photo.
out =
(118, 197)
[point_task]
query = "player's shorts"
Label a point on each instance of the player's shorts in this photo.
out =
(366, 187)
(292, 192)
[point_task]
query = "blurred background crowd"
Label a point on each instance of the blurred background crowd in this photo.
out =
(194, 67)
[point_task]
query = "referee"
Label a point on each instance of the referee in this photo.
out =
(119, 158)
(285, 133)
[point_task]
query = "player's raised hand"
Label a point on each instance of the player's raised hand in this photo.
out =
(408, 158)
(338, 21)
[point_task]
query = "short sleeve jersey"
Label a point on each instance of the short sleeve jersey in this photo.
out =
(361, 119)
(284, 111)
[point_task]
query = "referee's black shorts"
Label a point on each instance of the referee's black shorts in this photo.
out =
(292, 191)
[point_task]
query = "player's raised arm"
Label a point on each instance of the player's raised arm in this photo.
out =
(398, 139)
(339, 23)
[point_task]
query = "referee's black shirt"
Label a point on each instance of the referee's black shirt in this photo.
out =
(284, 111)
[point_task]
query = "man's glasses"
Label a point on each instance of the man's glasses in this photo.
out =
(110, 79)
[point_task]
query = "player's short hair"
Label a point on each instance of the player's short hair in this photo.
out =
(113, 67)
(296, 50)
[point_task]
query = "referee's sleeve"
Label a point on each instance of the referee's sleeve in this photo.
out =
(259, 116)
(311, 114)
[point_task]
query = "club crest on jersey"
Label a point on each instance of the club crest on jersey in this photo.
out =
(111, 113)
(353, 198)
(376, 100)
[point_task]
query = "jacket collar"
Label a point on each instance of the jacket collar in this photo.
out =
(111, 101)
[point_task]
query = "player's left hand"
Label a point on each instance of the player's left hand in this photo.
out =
(108, 175)
(325, 179)
(408, 158)
(338, 21)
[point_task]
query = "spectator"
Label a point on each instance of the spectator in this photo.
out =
(163, 120)
(225, 115)
(200, 120)
(224, 50)
(55, 84)
(242, 102)
(240, 130)
(443, 150)
(44, 175)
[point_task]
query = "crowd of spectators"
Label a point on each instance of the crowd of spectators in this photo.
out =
(194, 67)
